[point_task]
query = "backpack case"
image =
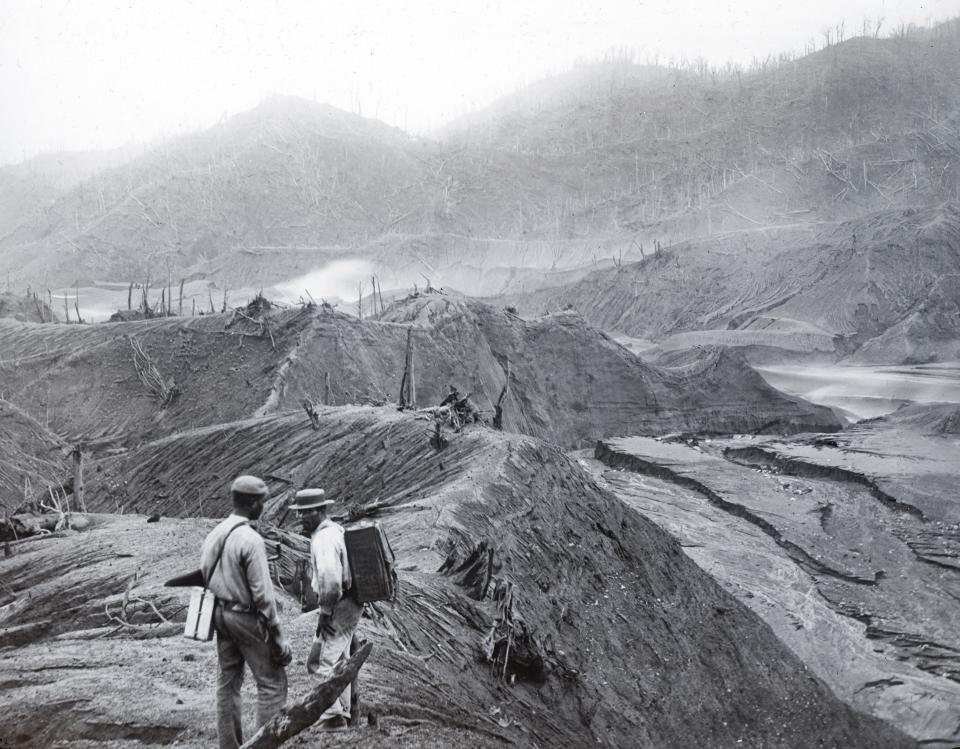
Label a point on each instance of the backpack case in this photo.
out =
(371, 563)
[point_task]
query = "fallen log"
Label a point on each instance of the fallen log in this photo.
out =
(22, 634)
(292, 720)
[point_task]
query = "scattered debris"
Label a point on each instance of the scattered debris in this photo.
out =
(164, 390)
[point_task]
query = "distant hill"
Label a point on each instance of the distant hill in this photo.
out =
(29, 188)
(884, 285)
(594, 169)
(856, 126)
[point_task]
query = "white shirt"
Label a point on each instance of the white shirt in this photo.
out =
(331, 570)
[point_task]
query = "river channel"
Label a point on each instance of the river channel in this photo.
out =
(867, 392)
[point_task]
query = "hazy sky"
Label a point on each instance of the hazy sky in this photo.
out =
(78, 74)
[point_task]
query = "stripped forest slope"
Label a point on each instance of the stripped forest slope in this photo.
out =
(618, 638)
(118, 383)
(799, 290)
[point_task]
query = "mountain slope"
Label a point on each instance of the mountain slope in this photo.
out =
(618, 639)
(611, 160)
(124, 382)
(792, 290)
(672, 154)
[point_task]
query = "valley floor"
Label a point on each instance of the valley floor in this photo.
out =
(848, 546)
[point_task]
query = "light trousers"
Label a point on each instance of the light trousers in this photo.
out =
(332, 645)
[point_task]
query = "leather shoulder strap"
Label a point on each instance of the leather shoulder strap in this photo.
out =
(220, 553)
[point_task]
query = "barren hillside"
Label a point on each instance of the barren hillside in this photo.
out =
(591, 167)
(800, 291)
(116, 383)
(31, 457)
(679, 152)
(619, 638)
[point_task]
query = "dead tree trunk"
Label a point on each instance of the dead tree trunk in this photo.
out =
(180, 312)
(130, 296)
(408, 385)
(292, 720)
(311, 413)
(498, 415)
(412, 380)
(78, 478)
(326, 389)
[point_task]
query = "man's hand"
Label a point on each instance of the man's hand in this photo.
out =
(328, 599)
(280, 651)
(283, 655)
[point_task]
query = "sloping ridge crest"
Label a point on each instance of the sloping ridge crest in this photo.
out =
(627, 642)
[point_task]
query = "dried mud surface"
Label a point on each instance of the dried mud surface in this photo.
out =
(635, 644)
(847, 545)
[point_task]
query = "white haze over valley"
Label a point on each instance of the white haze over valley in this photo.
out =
(339, 280)
(97, 74)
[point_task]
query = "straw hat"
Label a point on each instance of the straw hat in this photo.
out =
(308, 499)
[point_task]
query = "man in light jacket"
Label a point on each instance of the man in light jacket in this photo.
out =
(245, 616)
(339, 613)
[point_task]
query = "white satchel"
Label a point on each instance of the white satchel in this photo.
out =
(199, 625)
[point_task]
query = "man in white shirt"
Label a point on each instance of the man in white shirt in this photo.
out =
(339, 613)
(234, 564)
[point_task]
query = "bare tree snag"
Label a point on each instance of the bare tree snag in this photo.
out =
(327, 400)
(408, 387)
(78, 477)
(498, 415)
(180, 312)
(130, 296)
(311, 413)
(292, 720)
(412, 381)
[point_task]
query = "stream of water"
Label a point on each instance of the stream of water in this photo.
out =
(867, 392)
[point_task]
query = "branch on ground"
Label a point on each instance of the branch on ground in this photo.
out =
(301, 715)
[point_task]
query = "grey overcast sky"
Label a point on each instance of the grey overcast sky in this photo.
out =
(93, 74)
